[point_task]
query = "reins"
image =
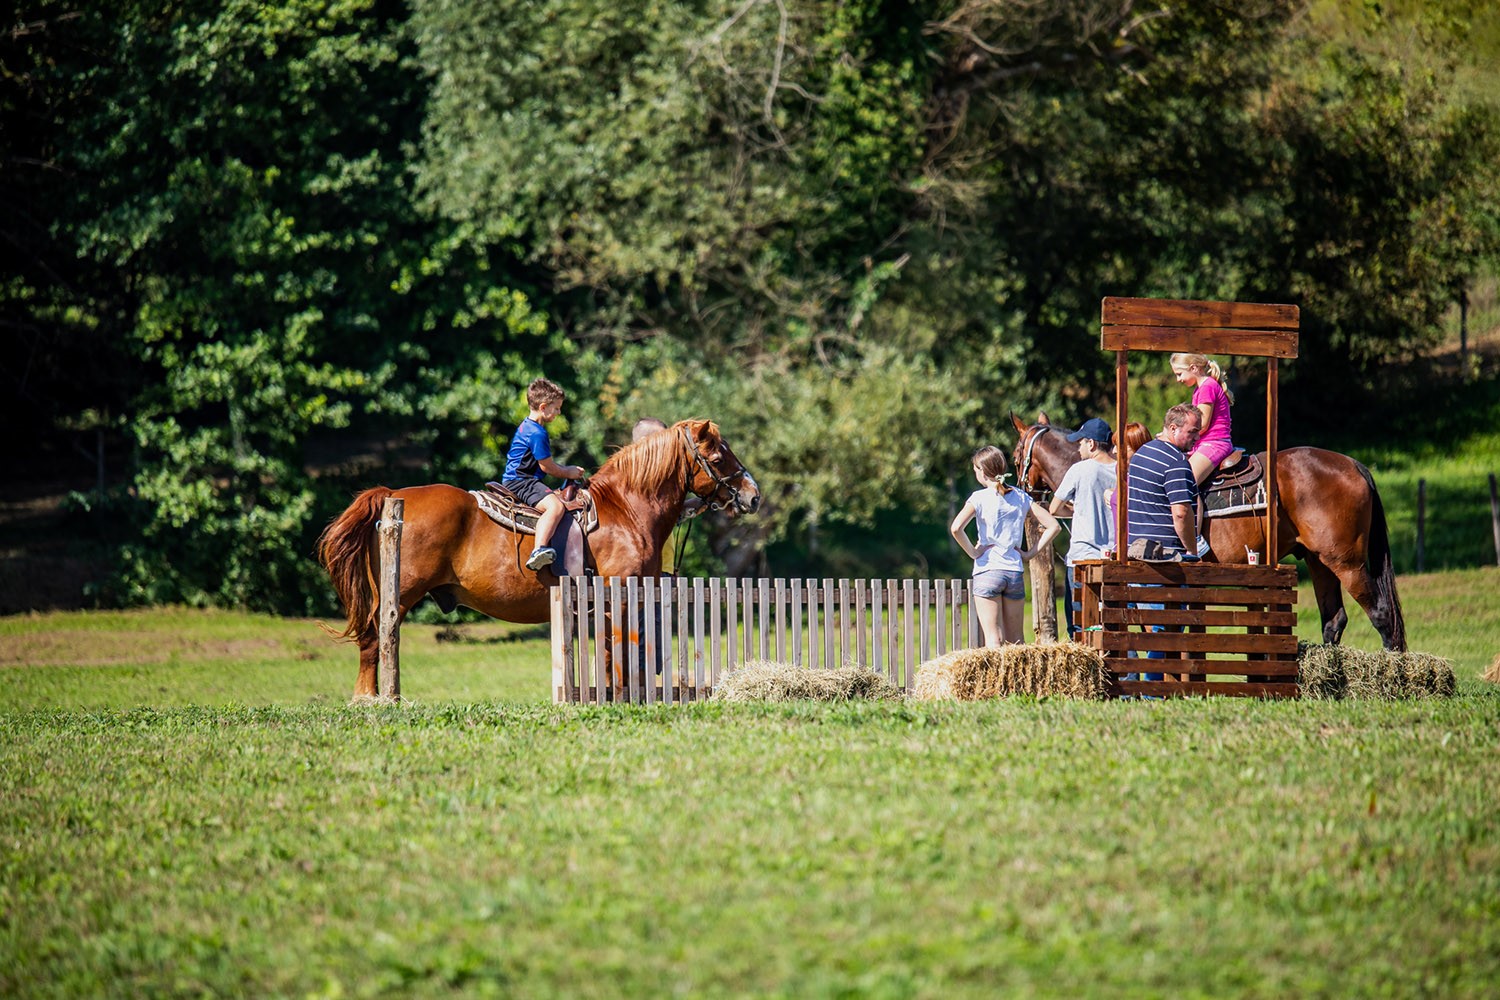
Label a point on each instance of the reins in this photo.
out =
(682, 540)
(1024, 474)
(722, 482)
(688, 516)
(1040, 495)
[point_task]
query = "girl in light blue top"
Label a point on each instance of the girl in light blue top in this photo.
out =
(999, 513)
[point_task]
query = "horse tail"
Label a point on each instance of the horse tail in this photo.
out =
(344, 551)
(1378, 563)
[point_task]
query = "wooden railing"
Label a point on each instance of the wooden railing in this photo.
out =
(1227, 630)
(648, 640)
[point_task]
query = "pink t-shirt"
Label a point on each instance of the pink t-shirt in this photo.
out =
(1212, 393)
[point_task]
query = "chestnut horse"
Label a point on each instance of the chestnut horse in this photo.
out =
(1329, 516)
(453, 551)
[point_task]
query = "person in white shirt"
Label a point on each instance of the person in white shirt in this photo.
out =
(1085, 485)
(999, 512)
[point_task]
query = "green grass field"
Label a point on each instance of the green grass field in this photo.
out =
(188, 807)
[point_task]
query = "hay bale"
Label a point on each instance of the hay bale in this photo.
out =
(1430, 676)
(1335, 672)
(1321, 671)
(1066, 668)
(766, 680)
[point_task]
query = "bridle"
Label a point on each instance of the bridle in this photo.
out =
(1023, 475)
(720, 482)
(691, 512)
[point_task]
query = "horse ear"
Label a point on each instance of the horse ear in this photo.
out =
(1041, 417)
(1020, 427)
(705, 432)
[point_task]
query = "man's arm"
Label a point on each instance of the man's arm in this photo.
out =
(1065, 489)
(1182, 523)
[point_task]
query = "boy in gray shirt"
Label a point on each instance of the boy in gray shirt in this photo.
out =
(1085, 484)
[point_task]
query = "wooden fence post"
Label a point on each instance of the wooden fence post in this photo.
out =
(389, 529)
(1495, 516)
(562, 641)
(1043, 592)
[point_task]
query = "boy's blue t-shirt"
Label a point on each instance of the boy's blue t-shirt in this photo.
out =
(527, 448)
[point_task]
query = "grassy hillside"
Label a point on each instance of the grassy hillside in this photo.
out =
(1441, 425)
(1463, 35)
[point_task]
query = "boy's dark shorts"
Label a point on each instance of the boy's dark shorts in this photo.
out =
(531, 491)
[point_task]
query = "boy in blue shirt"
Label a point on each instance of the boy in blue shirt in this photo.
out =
(530, 457)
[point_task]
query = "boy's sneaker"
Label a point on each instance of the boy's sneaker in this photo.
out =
(541, 556)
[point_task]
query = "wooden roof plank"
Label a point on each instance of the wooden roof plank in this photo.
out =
(1119, 311)
(1200, 340)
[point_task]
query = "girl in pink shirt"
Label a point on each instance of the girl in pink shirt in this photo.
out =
(1213, 402)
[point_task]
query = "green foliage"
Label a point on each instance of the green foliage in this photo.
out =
(280, 237)
(273, 280)
(680, 152)
(1400, 190)
(833, 443)
(1272, 168)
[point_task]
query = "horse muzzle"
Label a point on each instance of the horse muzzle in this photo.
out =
(747, 497)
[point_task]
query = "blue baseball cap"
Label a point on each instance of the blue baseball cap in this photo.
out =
(1093, 429)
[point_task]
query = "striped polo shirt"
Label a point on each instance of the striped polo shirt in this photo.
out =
(1160, 476)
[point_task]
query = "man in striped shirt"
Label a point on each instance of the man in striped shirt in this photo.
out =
(1163, 493)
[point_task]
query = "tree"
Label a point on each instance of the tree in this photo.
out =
(263, 265)
(858, 234)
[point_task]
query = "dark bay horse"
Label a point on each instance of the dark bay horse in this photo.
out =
(1329, 516)
(452, 550)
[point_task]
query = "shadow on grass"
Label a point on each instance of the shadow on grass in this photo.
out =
(525, 633)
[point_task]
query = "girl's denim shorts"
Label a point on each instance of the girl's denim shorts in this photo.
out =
(1000, 583)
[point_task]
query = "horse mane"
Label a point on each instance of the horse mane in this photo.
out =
(645, 464)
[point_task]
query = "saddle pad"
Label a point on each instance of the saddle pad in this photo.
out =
(1235, 500)
(1239, 490)
(567, 539)
(506, 511)
(511, 516)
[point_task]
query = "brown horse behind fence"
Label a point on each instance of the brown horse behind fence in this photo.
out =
(453, 551)
(1329, 516)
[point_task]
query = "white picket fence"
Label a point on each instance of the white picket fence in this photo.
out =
(642, 639)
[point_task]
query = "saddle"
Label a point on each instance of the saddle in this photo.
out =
(1236, 487)
(506, 509)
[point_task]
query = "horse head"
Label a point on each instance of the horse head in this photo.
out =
(1031, 456)
(716, 473)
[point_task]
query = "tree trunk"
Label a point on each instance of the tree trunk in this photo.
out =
(1043, 596)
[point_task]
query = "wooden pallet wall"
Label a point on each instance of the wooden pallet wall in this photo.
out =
(1228, 630)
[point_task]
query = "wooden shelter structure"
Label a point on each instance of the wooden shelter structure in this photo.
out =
(1252, 649)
